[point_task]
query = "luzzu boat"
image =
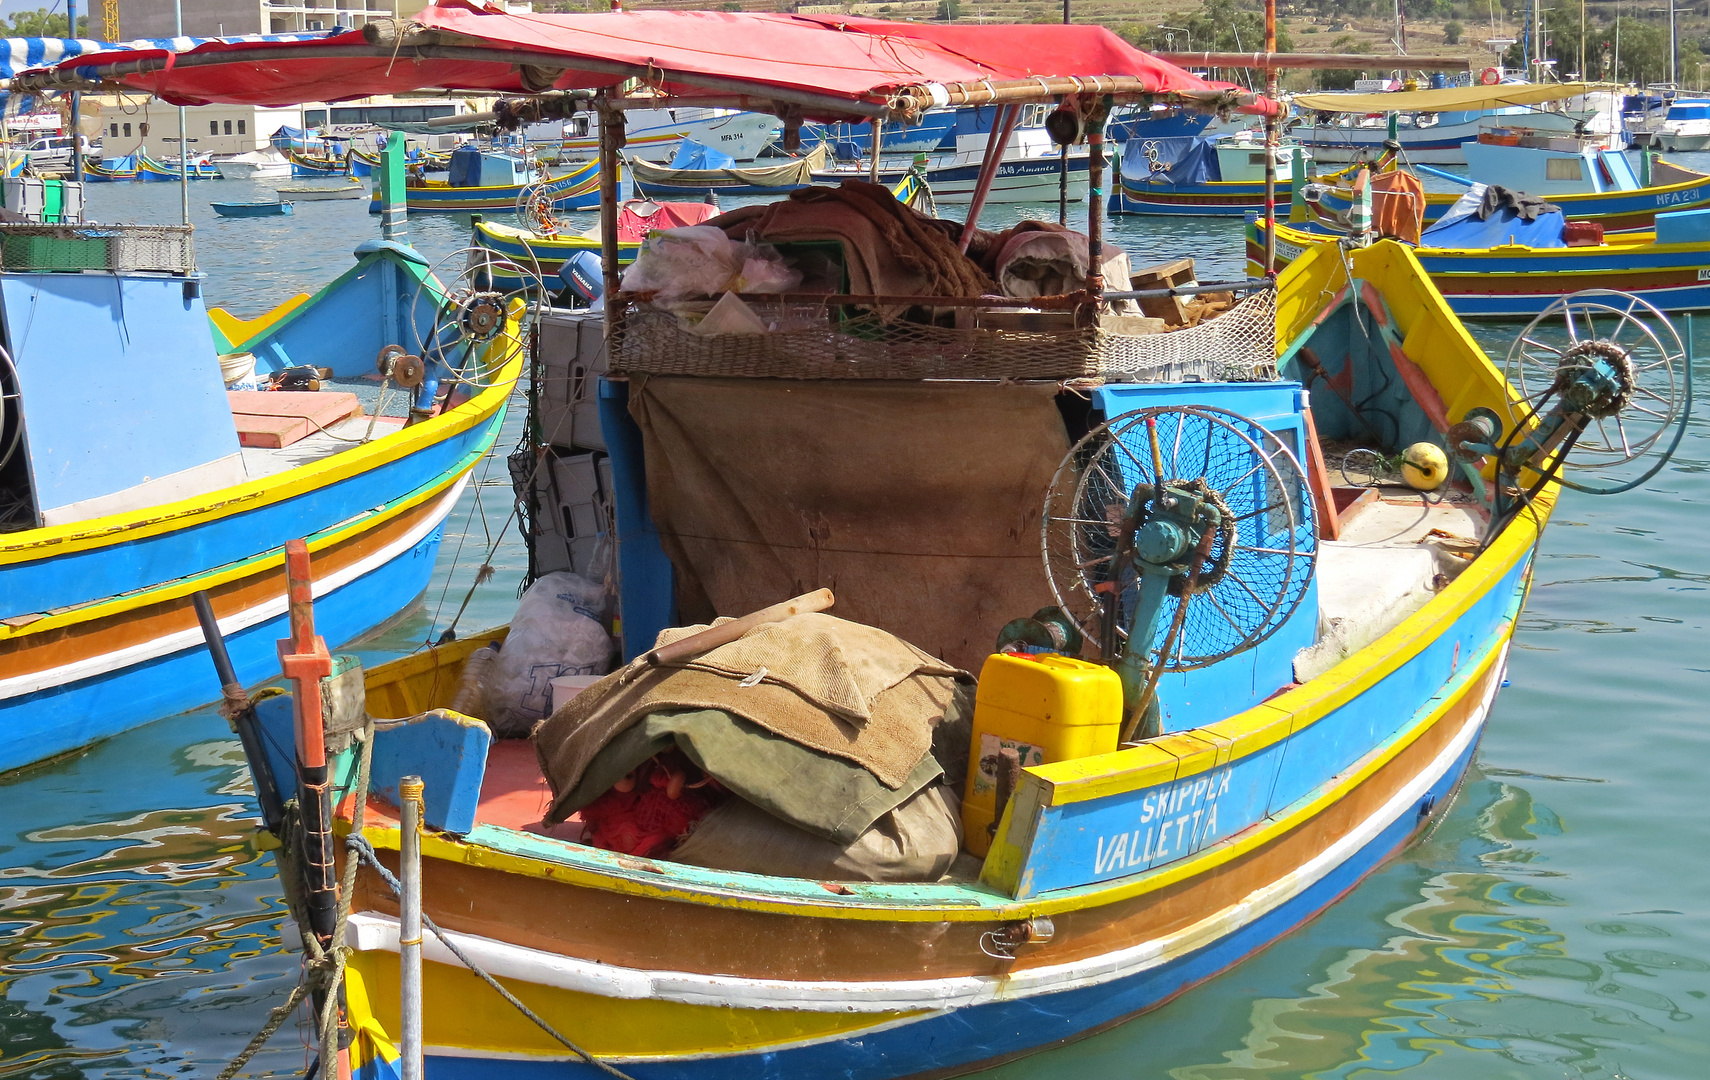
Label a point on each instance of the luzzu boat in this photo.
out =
(1199, 176)
(1304, 678)
(148, 169)
(1672, 188)
(125, 495)
(1669, 269)
(111, 171)
(494, 183)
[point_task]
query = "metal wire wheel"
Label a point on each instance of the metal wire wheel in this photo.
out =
(1629, 333)
(464, 320)
(1254, 576)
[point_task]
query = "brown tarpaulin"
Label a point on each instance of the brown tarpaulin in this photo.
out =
(916, 503)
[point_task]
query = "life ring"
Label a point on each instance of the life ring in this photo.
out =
(1489, 77)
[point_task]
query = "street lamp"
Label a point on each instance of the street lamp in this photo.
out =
(1170, 37)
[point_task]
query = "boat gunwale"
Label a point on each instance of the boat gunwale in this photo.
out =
(49, 541)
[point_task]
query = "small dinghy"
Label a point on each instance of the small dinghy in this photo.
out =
(309, 193)
(252, 209)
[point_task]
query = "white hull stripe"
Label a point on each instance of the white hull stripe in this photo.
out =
(272, 608)
(372, 933)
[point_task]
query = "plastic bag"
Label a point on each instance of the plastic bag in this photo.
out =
(764, 270)
(694, 260)
(556, 632)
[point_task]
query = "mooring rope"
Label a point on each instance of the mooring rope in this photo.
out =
(363, 850)
(325, 968)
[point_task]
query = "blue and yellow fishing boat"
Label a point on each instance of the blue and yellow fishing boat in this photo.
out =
(1514, 280)
(1199, 176)
(1673, 188)
(111, 170)
(1114, 881)
(129, 491)
(150, 170)
(578, 189)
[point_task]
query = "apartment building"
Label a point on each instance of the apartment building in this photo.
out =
(225, 18)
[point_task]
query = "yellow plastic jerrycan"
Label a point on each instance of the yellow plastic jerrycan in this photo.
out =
(1049, 708)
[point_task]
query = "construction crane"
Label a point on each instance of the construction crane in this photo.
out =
(110, 20)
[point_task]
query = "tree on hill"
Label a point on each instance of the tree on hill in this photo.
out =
(1219, 26)
(1452, 31)
(41, 23)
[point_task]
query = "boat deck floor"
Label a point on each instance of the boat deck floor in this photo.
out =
(515, 795)
(1398, 548)
(259, 461)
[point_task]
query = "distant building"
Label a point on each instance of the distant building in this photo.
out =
(227, 18)
(126, 126)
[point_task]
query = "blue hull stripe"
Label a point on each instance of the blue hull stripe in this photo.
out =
(98, 573)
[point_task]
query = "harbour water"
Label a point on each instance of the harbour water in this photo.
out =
(1553, 925)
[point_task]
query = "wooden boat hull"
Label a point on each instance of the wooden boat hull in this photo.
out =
(1027, 180)
(99, 635)
(1519, 282)
(578, 190)
(549, 252)
(1160, 865)
(1616, 211)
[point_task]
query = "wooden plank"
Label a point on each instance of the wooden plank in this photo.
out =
(278, 418)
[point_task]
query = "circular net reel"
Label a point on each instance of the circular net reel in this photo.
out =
(536, 209)
(1261, 550)
(459, 331)
(1637, 342)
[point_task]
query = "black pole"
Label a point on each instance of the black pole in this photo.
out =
(244, 722)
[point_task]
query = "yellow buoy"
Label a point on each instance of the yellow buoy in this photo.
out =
(1424, 466)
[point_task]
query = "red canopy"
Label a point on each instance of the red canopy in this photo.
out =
(830, 66)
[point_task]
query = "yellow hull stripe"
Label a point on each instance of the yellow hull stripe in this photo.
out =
(463, 1013)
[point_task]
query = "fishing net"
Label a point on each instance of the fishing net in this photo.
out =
(814, 341)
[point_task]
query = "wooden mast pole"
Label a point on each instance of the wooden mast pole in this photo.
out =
(611, 141)
(1271, 142)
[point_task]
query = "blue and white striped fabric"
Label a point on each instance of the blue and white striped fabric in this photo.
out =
(20, 54)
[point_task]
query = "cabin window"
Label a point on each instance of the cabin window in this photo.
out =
(228, 127)
(127, 131)
(115, 131)
(1256, 159)
(1564, 169)
(241, 128)
(213, 127)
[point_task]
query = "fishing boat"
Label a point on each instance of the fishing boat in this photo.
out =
(1304, 676)
(126, 493)
(698, 170)
(853, 142)
(1200, 176)
(1432, 126)
(305, 165)
(111, 170)
(1509, 272)
(153, 171)
(1030, 170)
(355, 189)
(740, 135)
(484, 181)
(253, 209)
(1671, 187)
(254, 165)
(1683, 127)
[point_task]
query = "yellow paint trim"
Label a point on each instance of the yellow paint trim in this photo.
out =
(462, 1012)
(239, 331)
(266, 491)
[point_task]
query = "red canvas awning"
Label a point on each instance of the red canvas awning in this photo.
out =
(832, 67)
